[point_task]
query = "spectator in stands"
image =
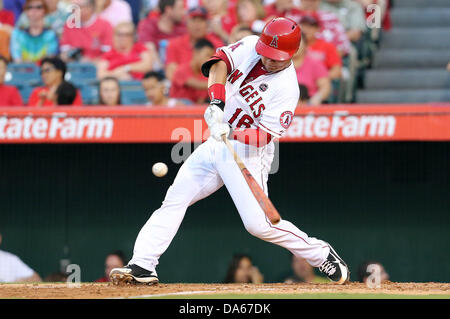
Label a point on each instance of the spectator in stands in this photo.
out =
(155, 87)
(128, 59)
(15, 6)
(114, 11)
(241, 270)
(239, 32)
(331, 29)
(319, 49)
(364, 271)
(251, 13)
(13, 269)
(65, 94)
(6, 18)
(169, 24)
(88, 41)
(350, 14)
(109, 92)
(9, 95)
(6, 27)
(303, 272)
(188, 81)
(283, 8)
(313, 74)
(180, 49)
(304, 95)
(53, 71)
(37, 41)
(222, 18)
(57, 13)
(116, 259)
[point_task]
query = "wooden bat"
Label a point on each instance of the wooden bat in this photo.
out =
(264, 201)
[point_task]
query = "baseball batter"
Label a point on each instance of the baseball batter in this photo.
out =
(254, 92)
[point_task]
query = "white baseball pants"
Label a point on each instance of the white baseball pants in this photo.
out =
(208, 168)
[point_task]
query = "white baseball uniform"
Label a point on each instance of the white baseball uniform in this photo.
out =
(267, 102)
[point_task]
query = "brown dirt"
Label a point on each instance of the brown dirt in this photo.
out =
(106, 290)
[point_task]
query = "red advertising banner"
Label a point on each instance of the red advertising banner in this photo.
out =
(140, 124)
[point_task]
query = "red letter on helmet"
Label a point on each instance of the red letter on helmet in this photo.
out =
(279, 40)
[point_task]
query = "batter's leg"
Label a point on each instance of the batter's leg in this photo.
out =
(196, 179)
(285, 234)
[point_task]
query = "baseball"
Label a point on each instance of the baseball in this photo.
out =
(159, 169)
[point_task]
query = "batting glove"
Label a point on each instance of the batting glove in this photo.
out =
(214, 113)
(219, 129)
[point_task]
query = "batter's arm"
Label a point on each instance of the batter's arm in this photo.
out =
(218, 73)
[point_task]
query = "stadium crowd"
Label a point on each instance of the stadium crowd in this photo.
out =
(149, 52)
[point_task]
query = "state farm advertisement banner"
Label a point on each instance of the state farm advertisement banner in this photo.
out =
(161, 125)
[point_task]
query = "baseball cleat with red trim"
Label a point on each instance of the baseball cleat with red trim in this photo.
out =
(335, 268)
(133, 274)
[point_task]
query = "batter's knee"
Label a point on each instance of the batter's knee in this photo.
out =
(259, 230)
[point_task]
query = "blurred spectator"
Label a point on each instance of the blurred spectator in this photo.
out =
(114, 11)
(303, 272)
(91, 39)
(65, 94)
(331, 30)
(283, 8)
(35, 42)
(188, 81)
(312, 74)
(109, 92)
(128, 59)
(6, 18)
(241, 270)
(363, 273)
(56, 277)
(168, 25)
(53, 71)
(350, 14)
(251, 13)
(57, 13)
(13, 269)
(9, 95)
(115, 259)
(304, 95)
(15, 6)
(155, 87)
(448, 66)
(5, 37)
(180, 49)
(239, 32)
(319, 49)
(222, 18)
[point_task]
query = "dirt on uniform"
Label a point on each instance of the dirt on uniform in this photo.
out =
(107, 290)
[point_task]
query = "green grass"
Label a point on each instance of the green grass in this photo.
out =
(303, 296)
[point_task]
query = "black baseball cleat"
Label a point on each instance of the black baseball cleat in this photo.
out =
(133, 274)
(335, 268)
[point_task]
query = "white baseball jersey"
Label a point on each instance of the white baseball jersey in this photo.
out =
(268, 102)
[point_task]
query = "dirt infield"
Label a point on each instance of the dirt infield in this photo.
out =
(106, 290)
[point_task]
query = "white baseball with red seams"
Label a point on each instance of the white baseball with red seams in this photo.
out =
(267, 102)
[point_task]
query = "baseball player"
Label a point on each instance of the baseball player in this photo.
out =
(254, 92)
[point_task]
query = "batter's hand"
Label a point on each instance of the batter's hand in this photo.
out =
(213, 113)
(219, 129)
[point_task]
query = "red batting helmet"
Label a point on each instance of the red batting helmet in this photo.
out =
(279, 39)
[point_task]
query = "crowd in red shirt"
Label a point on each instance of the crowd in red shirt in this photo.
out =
(165, 41)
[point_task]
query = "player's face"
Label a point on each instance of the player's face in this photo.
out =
(274, 65)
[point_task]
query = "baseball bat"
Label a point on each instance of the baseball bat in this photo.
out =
(262, 199)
